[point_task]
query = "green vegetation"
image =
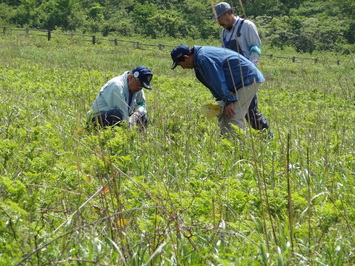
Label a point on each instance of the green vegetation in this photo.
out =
(307, 26)
(178, 193)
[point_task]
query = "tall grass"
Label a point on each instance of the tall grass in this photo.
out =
(178, 193)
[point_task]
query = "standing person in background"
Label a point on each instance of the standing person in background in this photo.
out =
(231, 78)
(241, 35)
(122, 98)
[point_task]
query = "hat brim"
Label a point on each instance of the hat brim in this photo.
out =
(174, 65)
(146, 86)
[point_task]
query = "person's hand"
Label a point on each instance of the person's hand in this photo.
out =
(139, 119)
(133, 119)
(229, 109)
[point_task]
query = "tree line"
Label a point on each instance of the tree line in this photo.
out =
(306, 25)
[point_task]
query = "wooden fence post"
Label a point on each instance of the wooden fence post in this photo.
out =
(27, 32)
(49, 35)
(160, 47)
(294, 59)
(137, 45)
(4, 30)
(93, 39)
(115, 41)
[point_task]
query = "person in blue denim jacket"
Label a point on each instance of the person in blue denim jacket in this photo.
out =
(232, 79)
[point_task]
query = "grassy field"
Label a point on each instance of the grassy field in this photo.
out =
(179, 193)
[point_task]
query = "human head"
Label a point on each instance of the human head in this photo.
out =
(223, 12)
(179, 54)
(222, 8)
(144, 75)
(139, 78)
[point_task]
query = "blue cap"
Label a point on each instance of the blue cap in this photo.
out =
(144, 75)
(177, 53)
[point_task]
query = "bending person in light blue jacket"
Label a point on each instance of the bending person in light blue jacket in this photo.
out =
(232, 79)
(122, 98)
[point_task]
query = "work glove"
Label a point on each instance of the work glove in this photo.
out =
(139, 118)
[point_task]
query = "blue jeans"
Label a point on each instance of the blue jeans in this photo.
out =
(109, 118)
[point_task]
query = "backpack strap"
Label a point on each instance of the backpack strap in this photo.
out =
(240, 27)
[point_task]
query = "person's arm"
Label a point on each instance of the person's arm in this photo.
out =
(253, 41)
(139, 117)
(140, 100)
(255, 53)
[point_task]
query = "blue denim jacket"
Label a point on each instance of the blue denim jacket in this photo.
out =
(224, 71)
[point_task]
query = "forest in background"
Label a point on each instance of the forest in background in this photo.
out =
(306, 26)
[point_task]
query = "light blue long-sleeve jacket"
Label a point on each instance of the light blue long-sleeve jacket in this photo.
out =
(224, 71)
(115, 95)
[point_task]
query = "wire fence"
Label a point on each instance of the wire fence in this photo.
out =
(85, 37)
(138, 45)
